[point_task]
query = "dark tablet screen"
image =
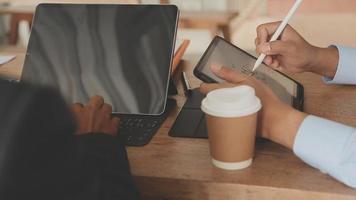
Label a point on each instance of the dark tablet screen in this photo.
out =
(221, 52)
(121, 52)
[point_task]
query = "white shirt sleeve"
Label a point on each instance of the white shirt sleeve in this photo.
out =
(346, 69)
(329, 147)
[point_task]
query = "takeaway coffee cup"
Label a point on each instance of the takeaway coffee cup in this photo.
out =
(231, 115)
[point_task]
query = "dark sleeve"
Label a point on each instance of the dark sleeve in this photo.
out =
(104, 168)
(40, 158)
(36, 143)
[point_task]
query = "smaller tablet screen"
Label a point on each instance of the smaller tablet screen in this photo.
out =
(223, 53)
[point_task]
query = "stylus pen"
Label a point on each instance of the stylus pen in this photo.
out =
(279, 31)
(186, 85)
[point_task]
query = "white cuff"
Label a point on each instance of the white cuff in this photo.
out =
(328, 146)
(346, 69)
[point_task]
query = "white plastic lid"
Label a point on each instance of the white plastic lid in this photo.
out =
(231, 102)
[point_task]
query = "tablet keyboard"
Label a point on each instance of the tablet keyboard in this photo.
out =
(190, 122)
(138, 130)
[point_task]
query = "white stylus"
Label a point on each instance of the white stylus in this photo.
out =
(279, 31)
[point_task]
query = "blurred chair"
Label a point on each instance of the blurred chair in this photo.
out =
(216, 21)
(18, 15)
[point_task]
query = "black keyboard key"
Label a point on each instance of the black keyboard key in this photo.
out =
(138, 130)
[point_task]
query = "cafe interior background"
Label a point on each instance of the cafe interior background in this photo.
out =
(321, 22)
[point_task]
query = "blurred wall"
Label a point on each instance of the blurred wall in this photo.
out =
(281, 7)
(34, 2)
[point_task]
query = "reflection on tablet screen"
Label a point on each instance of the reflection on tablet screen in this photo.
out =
(223, 53)
(108, 50)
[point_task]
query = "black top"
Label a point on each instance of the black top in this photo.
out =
(41, 158)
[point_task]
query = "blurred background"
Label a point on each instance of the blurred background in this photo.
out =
(321, 22)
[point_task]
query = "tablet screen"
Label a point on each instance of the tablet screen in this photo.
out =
(223, 53)
(121, 52)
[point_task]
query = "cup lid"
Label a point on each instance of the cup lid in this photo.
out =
(231, 102)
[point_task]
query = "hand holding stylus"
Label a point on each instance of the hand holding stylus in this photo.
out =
(279, 31)
(293, 53)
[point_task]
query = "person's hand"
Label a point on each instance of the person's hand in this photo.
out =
(277, 121)
(95, 117)
(293, 53)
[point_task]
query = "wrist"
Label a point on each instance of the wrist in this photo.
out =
(325, 62)
(286, 125)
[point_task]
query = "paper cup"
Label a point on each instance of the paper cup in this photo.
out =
(231, 115)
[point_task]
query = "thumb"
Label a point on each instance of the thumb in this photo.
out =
(228, 74)
(206, 88)
(273, 48)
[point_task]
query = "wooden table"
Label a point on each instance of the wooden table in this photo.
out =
(176, 168)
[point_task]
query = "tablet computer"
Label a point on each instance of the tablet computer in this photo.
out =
(224, 53)
(121, 52)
